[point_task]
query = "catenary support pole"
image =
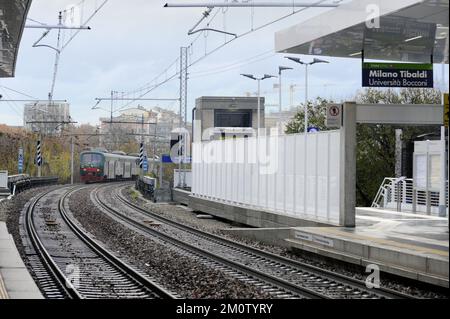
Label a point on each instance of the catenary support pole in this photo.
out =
(347, 171)
(442, 189)
(71, 160)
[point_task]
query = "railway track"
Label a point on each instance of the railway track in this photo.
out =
(282, 277)
(70, 264)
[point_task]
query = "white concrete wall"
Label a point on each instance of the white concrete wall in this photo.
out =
(285, 180)
(3, 179)
(177, 177)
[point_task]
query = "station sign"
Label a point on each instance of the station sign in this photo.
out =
(334, 116)
(404, 75)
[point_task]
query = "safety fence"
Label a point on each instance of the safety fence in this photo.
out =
(294, 175)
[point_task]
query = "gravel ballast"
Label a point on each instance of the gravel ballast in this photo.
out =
(181, 274)
(12, 210)
(186, 216)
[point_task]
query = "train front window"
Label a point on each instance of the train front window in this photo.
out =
(92, 159)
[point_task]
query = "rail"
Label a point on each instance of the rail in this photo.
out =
(89, 254)
(267, 258)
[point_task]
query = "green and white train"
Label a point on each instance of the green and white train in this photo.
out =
(99, 165)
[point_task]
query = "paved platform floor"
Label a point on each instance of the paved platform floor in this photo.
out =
(412, 245)
(15, 281)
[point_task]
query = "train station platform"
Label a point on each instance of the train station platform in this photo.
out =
(410, 245)
(15, 280)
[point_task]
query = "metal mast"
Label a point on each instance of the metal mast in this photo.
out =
(183, 112)
(183, 85)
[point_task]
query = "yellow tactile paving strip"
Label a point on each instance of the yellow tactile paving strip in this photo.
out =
(336, 231)
(3, 293)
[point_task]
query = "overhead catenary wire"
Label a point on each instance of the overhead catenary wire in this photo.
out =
(150, 86)
(146, 89)
(251, 31)
(12, 105)
(237, 64)
(207, 54)
(61, 43)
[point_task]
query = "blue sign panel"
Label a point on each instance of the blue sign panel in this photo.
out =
(20, 161)
(145, 164)
(313, 129)
(166, 158)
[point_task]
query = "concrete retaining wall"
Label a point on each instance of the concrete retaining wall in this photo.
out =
(271, 236)
(248, 216)
(181, 196)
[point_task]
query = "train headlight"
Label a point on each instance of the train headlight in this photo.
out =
(98, 170)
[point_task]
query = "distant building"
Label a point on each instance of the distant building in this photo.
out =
(36, 113)
(279, 120)
(158, 123)
(219, 116)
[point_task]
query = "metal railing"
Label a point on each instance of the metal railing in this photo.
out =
(146, 185)
(400, 194)
(21, 182)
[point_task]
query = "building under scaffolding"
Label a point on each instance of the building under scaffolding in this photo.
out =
(35, 114)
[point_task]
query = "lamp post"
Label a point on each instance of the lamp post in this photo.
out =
(306, 64)
(259, 79)
(281, 69)
(266, 76)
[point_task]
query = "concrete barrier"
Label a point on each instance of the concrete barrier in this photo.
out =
(248, 216)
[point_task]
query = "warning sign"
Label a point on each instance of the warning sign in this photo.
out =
(446, 109)
(334, 115)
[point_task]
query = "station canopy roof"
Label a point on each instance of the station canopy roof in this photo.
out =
(13, 14)
(409, 31)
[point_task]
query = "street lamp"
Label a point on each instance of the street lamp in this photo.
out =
(281, 69)
(266, 76)
(314, 61)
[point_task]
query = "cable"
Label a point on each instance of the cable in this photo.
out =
(207, 54)
(41, 23)
(13, 107)
(21, 93)
(145, 86)
(231, 68)
(240, 62)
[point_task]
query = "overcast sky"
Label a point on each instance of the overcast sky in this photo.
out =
(133, 41)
